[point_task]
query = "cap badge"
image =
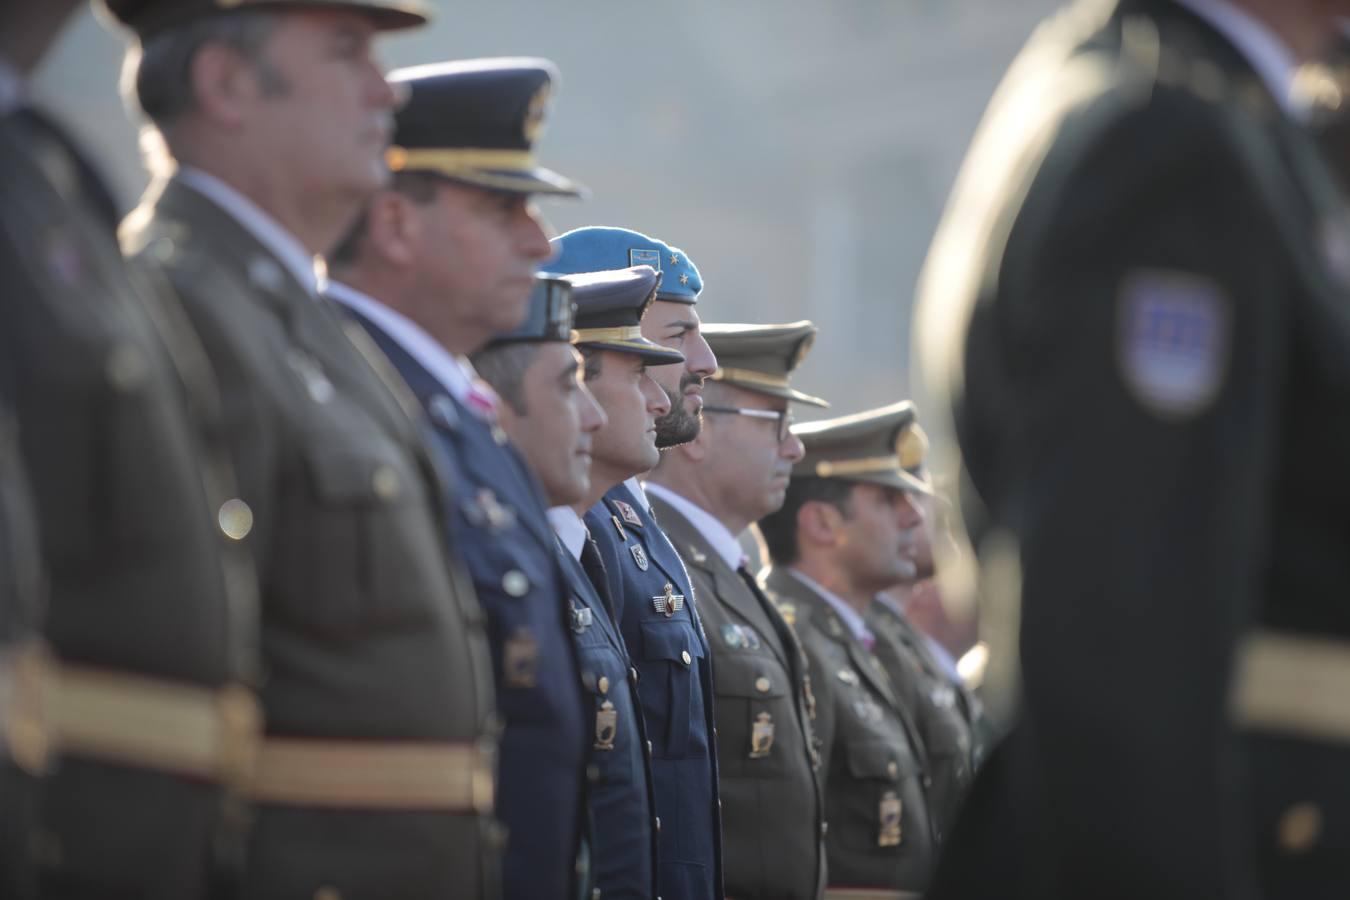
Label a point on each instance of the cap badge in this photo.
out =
(638, 257)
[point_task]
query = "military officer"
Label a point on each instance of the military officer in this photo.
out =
(1134, 314)
(837, 541)
(441, 261)
(537, 375)
(655, 603)
(705, 493)
(111, 410)
(376, 776)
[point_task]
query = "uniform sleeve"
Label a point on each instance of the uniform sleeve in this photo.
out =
(1135, 350)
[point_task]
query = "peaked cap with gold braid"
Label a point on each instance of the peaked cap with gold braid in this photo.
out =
(882, 446)
(760, 358)
(609, 311)
(476, 121)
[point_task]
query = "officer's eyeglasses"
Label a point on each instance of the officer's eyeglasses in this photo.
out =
(782, 417)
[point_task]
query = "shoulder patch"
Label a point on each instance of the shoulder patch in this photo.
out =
(1173, 340)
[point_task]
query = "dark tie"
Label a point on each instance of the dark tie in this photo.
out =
(595, 571)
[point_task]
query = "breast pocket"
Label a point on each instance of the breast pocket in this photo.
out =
(754, 708)
(359, 546)
(884, 802)
(671, 651)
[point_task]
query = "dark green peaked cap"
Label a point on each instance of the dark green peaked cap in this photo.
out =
(882, 446)
(760, 358)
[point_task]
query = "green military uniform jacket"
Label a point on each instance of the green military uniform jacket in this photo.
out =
(1137, 314)
(875, 766)
(771, 805)
(371, 636)
(940, 708)
(118, 414)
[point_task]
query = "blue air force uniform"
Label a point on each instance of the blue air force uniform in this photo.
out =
(496, 511)
(620, 797)
(661, 627)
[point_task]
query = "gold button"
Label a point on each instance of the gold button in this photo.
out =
(385, 483)
(603, 684)
(515, 583)
(235, 519)
(684, 655)
(327, 893)
(632, 674)
(892, 769)
(762, 684)
(1299, 828)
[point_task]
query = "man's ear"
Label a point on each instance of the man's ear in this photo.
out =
(819, 523)
(224, 84)
(394, 227)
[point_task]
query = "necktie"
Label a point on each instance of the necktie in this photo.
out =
(595, 571)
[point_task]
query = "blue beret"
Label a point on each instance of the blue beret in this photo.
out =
(601, 248)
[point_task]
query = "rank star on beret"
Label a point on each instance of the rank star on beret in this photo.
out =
(609, 311)
(596, 248)
(879, 446)
(476, 121)
(148, 17)
(548, 318)
(760, 358)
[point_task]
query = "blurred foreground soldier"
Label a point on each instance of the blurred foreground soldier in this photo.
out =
(554, 418)
(705, 493)
(441, 261)
(375, 777)
(110, 403)
(839, 539)
(652, 593)
(1136, 310)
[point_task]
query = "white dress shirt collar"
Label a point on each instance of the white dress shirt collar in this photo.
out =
(569, 528)
(1259, 45)
(713, 531)
(13, 87)
(265, 229)
(454, 373)
(635, 488)
(853, 619)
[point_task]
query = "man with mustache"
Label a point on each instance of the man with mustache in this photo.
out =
(841, 536)
(125, 594)
(652, 593)
(441, 261)
(706, 492)
(375, 777)
(609, 306)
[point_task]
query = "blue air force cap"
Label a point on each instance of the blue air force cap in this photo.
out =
(476, 121)
(609, 310)
(596, 248)
(548, 318)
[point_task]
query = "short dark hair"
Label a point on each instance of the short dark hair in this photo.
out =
(503, 366)
(779, 529)
(417, 186)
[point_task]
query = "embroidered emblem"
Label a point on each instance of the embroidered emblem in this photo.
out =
(731, 635)
(761, 736)
(520, 659)
(639, 556)
(1173, 340)
(638, 257)
(606, 726)
(889, 833)
(629, 514)
(669, 602)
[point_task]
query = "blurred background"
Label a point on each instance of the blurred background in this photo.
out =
(799, 152)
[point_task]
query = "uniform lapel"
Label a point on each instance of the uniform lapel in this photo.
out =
(580, 587)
